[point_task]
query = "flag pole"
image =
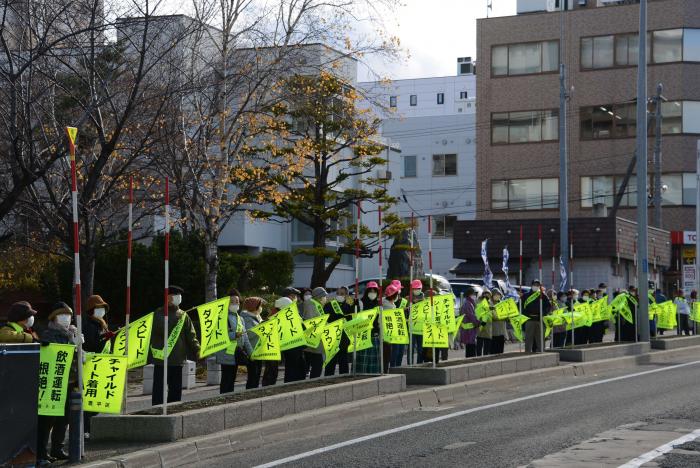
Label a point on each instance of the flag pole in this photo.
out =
(381, 299)
(72, 132)
(636, 280)
(410, 294)
(127, 315)
(165, 296)
(554, 247)
(357, 282)
(571, 285)
(520, 280)
(619, 273)
(539, 252)
(430, 266)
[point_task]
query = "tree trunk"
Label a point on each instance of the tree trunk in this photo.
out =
(211, 268)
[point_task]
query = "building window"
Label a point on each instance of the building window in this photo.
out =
(440, 98)
(463, 95)
(525, 59)
(620, 120)
(525, 194)
(444, 164)
(414, 100)
(622, 50)
(409, 166)
(668, 46)
(680, 190)
(444, 226)
(524, 127)
(392, 101)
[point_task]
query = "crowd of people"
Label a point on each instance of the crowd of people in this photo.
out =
(481, 333)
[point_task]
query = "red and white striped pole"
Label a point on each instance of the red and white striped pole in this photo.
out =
(410, 293)
(554, 247)
(127, 308)
(539, 253)
(430, 267)
(357, 281)
(72, 133)
(381, 298)
(165, 296)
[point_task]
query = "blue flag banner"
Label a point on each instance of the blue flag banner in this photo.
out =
(562, 274)
(510, 291)
(488, 276)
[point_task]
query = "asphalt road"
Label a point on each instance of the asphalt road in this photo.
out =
(507, 435)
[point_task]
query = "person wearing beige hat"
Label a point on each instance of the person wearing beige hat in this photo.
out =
(61, 331)
(20, 320)
(95, 328)
(252, 317)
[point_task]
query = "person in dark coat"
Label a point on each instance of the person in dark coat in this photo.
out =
(470, 323)
(252, 317)
(185, 345)
(97, 338)
(368, 359)
(59, 331)
(628, 330)
(340, 307)
(294, 363)
(239, 350)
(535, 303)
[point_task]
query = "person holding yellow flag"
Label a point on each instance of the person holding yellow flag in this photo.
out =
(313, 308)
(470, 323)
(368, 359)
(59, 331)
(252, 317)
(498, 327)
(238, 352)
(182, 342)
(341, 307)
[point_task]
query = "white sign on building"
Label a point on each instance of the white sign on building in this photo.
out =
(688, 278)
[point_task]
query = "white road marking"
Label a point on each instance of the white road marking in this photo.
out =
(457, 414)
(661, 450)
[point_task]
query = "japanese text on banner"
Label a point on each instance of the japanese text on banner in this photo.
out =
(395, 331)
(290, 327)
(435, 335)
(54, 372)
(312, 330)
(139, 341)
(330, 337)
(104, 377)
(213, 322)
(268, 345)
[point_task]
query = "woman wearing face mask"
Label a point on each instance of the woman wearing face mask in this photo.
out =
(368, 359)
(314, 307)
(95, 328)
(185, 344)
(417, 295)
(239, 350)
(393, 353)
(252, 316)
(59, 331)
(498, 327)
(341, 307)
(20, 320)
(97, 338)
(470, 324)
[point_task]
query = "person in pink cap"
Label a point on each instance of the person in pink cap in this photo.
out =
(416, 295)
(402, 301)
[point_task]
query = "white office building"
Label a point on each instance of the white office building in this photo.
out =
(433, 122)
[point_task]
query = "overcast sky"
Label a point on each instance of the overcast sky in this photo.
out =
(436, 32)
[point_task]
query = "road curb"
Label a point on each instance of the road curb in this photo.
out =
(188, 451)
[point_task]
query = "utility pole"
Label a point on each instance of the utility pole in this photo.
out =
(563, 160)
(642, 317)
(697, 216)
(658, 100)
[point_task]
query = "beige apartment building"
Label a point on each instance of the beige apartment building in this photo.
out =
(518, 117)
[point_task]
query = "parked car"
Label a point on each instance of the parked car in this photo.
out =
(441, 283)
(460, 289)
(497, 283)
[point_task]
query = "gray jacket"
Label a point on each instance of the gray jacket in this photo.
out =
(222, 357)
(250, 321)
(310, 312)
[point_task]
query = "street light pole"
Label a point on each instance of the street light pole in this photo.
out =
(658, 99)
(642, 182)
(563, 162)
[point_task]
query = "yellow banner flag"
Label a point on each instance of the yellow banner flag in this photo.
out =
(330, 337)
(667, 315)
(420, 313)
(313, 328)
(395, 330)
(104, 379)
(290, 327)
(695, 313)
(435, 335)
(364, 339)
(54, 371)
(213, 323)
(268, 345)
(72, 133)
(517, 324)
(505, 309)
(361, 321)
(139, 341)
